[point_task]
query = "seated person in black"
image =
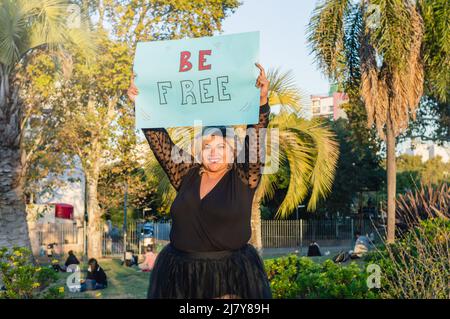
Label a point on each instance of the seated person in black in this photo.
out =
(96, 277)
(71, 259)
(314, 250)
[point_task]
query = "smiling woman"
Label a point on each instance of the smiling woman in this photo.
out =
(208, 255)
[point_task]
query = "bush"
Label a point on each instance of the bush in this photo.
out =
(417, 265)
(300, 277)
(282, 273)
(53, 293)
(421, 204)
(21, 278)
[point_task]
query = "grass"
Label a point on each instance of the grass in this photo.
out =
(123, 283)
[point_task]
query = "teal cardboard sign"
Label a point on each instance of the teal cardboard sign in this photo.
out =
(207, 81)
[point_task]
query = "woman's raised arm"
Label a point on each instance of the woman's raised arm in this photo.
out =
(250, 169)
(174, 160)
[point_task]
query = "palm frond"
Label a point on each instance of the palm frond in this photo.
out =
(436, 47)
(325, 163)
(13, 29)
(283, 90)
(391, 66)
(325, 35)
(310, 152)
(354, 30)
(26, 25)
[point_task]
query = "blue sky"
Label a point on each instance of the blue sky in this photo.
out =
(282, 25)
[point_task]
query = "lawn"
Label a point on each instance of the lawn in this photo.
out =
(123, 283)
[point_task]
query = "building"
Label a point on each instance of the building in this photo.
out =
(427, 150)
(329, 106)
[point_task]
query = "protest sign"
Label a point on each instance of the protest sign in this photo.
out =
(209, 79)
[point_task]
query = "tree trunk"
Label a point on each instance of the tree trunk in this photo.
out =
(391, 180)
(13, 222)
(94, 229)
(256, 238)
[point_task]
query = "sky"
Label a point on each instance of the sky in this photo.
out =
(282, 25)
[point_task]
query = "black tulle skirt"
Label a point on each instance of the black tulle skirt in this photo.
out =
(206, 275)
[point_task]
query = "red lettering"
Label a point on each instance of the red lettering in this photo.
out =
(185, 65)
(202, 60)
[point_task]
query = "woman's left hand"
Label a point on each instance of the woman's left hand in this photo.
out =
(263, 83)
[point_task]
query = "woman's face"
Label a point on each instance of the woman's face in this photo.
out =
(216, 153)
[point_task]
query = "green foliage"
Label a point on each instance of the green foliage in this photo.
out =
(46, 275)
(359, 168)
(53, 293)
(294, 277)
(138, 20)
(21, 278)
(436, 47)
(309, 149)
(326, 35)
(266, 213)
(282, 273)
(335, 281)
(411, 172)
(38, 24)
(417, 265)
(111, 187)
(432, 123)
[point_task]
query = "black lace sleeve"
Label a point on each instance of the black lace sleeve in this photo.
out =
(249, 165)
(174, 160)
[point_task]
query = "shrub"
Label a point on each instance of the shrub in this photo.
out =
(21, 278)
(53, 293)
(336, 281)
(294, 277)
(417, 265)
(421, 204)
(282, 273)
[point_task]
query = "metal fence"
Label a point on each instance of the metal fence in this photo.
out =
(62, 234)
(113, 242)
(275, 234)
(296, 233)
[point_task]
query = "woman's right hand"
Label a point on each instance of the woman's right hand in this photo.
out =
(132, 90)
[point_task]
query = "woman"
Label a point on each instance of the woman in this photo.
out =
(71, 259)
(96, 277)
(149, 259)
(208, 255)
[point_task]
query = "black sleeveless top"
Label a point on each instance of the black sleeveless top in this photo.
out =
(221, 220)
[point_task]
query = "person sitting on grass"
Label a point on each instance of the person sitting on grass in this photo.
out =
(96, 277)
(71, 260)
(362, 246)
(314, 249)
(130, 259)
(149, 259)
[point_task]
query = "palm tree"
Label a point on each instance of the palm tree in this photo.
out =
(306, 152)
(27, 28)
(374, 50)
